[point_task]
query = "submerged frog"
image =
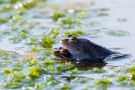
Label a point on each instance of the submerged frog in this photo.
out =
(82, 49)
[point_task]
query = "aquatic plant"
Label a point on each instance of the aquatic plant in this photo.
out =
(102, 82)
(2, 20)
(118, 32)
(56, 15)
(74, 33)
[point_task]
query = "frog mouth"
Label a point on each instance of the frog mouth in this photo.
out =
(59, 56)
(62, 42)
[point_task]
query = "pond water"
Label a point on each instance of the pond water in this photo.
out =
(30, 30)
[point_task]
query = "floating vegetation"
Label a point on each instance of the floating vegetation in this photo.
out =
(68, 22)
(46, 41)
(2, 20)
(131, 69)
(33, 40)
(82, 79)
(56, 15)
(102, 82)
(6, 7)
(8, 54)
(93, 33)
(80, 13)
(121, 78)
(102, 13)
(96, 70)
(65, 86)
(74, 33)
(122, 20)
(92, 23)
(118, 32)
(53, 32)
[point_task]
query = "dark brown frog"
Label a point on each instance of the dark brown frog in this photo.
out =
(82, 49)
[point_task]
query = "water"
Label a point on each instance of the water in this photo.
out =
(117, 10)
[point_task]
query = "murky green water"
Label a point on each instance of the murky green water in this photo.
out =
(29, 32)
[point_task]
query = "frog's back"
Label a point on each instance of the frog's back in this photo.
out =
(93, 50)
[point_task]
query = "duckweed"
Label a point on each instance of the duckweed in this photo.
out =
(7, 54)
(30, 4)
(68, 21)
(81, 13)
(81, 79)
(121, 78)
(132, 74)
(102, 82)
(50, 80)
(34, 62)
(56, 15)
(96, 70)
(130, 69)
(11, 85)
(6, 7)
(34, 72)
(132, 82)
(33, 40)
(16, 69)
(2, 20)
(46, 41)
(16, 38)
(53, 32)
(12, 1)
(34, 49)
(65, 85)
(101, 13)
(75, 71)
(74, 33)
(48, 61)
(6, 70)
(118, 32)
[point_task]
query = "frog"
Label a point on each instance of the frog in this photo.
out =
(75, 48)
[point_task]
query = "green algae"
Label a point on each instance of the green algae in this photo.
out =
(74, 33)
(2, 20)
(68, 22)
(118, 32)
(34, 72)
(130, 69)
(82, 79)
(53, 32)
(121, 78)
(65, 86)
(46, 41)
(97, 70)
(56, 15)
(6, 70)
(102, 82)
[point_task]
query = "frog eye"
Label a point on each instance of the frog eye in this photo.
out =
(69, 36)
(60, 48)
(63, 51)
(73, 39)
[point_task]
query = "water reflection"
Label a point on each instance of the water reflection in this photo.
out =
(85, 64)
(88, 64)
